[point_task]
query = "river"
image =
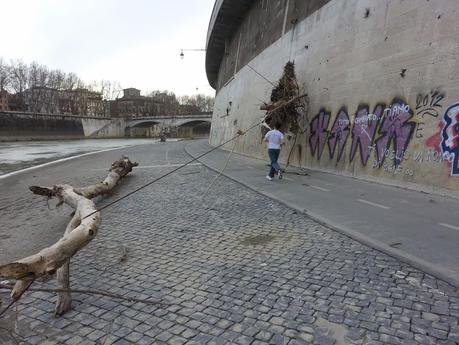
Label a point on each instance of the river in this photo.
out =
(18, 155)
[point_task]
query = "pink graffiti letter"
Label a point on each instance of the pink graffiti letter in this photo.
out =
(450, 137)
(364, 130)
(397, 129)
(319, 133)
(339, 133)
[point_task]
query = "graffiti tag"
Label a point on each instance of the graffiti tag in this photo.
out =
(450, 137)
(339, 133)
(319, 133)
(395, 130)
(428, 104)
(363, 131)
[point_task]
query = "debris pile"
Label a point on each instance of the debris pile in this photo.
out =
(282, 109)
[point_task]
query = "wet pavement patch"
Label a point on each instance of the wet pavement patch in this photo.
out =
(258, 240)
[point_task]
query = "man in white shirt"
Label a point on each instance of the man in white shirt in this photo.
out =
(275, 140)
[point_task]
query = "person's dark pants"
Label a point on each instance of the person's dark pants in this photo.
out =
(274, 156)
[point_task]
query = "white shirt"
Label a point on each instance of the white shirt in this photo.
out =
(274, 138)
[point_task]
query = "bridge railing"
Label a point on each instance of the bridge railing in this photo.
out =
(29, 113)
(184, 116)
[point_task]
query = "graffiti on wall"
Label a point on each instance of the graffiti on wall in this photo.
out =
(396, 129)
(339, 133)
(386, 127)
(427, 105)
(319, 133)
(450, 138)
(386, 132)
(364, 130)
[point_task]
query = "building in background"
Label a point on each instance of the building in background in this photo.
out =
(132, 103)
(84, 102)
(10, 102)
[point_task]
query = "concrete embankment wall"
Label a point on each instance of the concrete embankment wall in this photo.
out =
(103, 128)
(383, 84)
(27, 126)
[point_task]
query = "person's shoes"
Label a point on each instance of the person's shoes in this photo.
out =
(279, 175)
(269, 178)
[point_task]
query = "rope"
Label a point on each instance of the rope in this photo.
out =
(239, 133)
(261, 75)
(221, 171)
(291, 150)
(16, 299)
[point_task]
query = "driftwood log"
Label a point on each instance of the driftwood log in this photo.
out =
(79, 232)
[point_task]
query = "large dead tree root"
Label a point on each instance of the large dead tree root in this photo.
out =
(287, 106)
(79, 232)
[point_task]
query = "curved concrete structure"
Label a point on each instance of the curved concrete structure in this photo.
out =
(381, 77)
(227, 15)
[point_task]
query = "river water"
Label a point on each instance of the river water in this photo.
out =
(18, 155)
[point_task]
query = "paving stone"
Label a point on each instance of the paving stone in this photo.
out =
(176, 340)
(75, 340)
(189, 333)
(264, 336)
(191, 252)
(244, 340)
(202, 339)
(424, 339)
(438, 333)
(96, 335)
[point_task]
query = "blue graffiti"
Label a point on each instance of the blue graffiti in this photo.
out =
(450, 137)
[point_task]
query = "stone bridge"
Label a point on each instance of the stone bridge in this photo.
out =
(153, 125)
(167, 120)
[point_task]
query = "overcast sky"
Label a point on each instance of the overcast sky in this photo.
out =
(135, 42)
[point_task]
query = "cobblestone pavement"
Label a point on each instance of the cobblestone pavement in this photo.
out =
(234, 268)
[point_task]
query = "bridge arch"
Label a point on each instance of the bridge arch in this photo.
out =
(147, 123)
(194, 128)
(197, 125)
(194, 122)
(141, 128)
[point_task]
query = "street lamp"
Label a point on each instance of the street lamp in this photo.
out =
(182, 55)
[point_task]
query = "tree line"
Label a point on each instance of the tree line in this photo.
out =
(40, 85)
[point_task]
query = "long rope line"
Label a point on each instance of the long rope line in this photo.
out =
(16, 299)
(261, 75)
(239, 133)
(170, 172)
(221, 171)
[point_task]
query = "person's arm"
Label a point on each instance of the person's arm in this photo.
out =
(266, 138)
(282, 142)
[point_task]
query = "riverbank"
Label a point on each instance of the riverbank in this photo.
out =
(7, 139)
(18, 155)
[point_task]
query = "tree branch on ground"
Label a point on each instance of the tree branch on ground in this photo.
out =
(79, 232)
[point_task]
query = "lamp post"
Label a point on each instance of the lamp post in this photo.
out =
(182, 55)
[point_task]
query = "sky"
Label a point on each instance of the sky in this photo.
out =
(135, 42)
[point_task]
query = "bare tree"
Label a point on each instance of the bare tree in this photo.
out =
(56, 79)
(110, 90)
(5, 76)
(42, 97)
(18, 76)
(202, 102)
(71, 81)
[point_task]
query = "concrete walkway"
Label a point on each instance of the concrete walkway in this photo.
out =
(418, 228)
